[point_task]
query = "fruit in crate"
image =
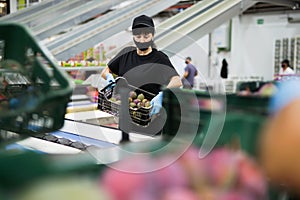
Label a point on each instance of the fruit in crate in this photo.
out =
(147, 104)
(141, 97)
(132, 94)
(113, 99)
(132, 104)
(116, 99)
(135, 100)
(140, 104)
(138, 100)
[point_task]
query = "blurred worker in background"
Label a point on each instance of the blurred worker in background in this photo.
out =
(285, 68)
(190, 71)
(144, 66)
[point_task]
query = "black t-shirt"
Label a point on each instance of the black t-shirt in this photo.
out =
(148, 72)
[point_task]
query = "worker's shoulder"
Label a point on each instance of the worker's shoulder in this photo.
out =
(126, 50)
(161, 53)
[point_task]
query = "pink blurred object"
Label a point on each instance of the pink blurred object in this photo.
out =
(235, 195)
(173, 175)
(251, 178)
(194, 167)
(221, 168)
(180, 194)
(121, 184)
(222, 175)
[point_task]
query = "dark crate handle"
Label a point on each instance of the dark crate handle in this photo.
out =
(107, 91)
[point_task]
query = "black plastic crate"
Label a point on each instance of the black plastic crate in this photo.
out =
(139, 115)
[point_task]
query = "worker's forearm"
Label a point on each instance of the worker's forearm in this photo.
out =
(185, 75)
(104, 72)
(175, 82)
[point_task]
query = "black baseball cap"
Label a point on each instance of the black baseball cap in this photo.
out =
(142, 21)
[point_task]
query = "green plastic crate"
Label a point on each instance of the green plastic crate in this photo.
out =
(23, 168)
(241, 116)
(191, 110)
(247, 104)
(34, 92)
(239, 131)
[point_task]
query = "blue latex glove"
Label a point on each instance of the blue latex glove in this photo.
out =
(109, 78)
(156, 103)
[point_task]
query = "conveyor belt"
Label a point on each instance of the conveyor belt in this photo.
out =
(183, 29)
(202, 23)
(44, 14)
(74, 140)
(43, 146)
(54, 16)
(174, 22)
(76, 137)
(103, 27)
(73, 17)
(108, 134)
(30, 11)
(61, 142)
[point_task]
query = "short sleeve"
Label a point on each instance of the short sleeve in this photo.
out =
(114, 64)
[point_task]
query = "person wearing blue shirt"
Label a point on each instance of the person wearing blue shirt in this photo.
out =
(190, 71)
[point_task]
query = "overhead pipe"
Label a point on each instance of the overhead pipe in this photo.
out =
(288, 3)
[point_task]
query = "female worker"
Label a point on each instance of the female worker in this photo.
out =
(144, 66)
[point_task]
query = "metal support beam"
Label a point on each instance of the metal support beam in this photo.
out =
(104, 27)
(176, 21)
(200, 25)
(49, 14)
(30, 11)
(73, 17)
(176, 33)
